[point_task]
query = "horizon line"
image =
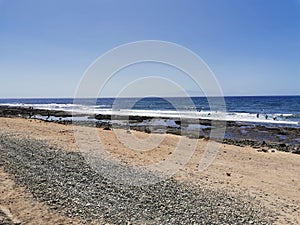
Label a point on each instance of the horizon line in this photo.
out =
(192, 96)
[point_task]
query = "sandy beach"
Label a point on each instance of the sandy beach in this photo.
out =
(150, 112)
(269, 179)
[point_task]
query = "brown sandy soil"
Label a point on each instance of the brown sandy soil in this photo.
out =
(273, 178)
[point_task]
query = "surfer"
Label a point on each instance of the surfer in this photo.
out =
(48, 115)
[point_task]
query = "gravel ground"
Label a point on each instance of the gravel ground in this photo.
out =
(65, 182)
(4, 219)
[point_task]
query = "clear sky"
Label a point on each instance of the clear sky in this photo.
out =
(252, 46)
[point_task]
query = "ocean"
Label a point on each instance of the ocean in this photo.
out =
(275, 110)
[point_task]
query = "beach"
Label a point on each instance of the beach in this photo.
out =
(243, 185)
(150, 112)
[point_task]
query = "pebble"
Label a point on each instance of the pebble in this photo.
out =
(66, 183)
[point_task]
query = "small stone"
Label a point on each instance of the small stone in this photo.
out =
(263, 150)
(73, 188)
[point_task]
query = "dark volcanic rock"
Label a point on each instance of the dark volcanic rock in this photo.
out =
(118, 117)
(30, 112)
(237, 133)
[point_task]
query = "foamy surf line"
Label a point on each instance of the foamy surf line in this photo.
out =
(204, 115)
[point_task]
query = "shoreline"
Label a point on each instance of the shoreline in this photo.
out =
(264, 137)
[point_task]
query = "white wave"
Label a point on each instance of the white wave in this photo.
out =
(50, 106)
(284, 115)
(223, 116)
(188, 114)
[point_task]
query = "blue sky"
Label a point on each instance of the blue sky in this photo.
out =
(252, 46)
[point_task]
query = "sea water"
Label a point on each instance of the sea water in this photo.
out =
(275, 110)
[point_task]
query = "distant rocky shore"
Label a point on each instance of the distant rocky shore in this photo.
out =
(264, 137)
